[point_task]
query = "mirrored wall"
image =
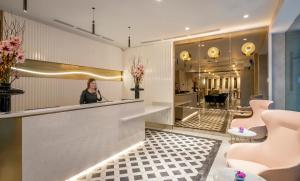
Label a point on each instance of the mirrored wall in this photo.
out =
(222, 71)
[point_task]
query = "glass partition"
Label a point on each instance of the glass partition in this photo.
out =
(219, 72)
(292, 67)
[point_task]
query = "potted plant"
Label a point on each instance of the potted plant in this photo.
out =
(137, 71)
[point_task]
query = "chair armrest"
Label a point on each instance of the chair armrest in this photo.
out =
(283, 173)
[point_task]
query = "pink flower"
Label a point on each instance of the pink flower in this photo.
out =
(15, 42)
(241, 129)
(6, 49)
(240, 174)
(20, 56)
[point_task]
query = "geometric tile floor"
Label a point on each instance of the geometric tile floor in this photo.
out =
(164, 156)
(207, 119)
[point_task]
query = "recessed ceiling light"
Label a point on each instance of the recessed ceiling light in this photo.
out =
(246, 16)
(203, 45)
(159, 0)
(245, 39)
(187, 28)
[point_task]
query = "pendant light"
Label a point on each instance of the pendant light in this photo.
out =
(129, 41)
(93, 22)
(25, 6)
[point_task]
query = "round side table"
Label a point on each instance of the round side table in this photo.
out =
(235, 132)
(228, 174)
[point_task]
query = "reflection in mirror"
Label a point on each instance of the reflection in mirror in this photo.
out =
(225, 71)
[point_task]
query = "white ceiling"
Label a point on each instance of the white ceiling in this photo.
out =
(149, 19)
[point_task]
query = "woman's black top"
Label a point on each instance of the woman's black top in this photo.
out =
(87, 97)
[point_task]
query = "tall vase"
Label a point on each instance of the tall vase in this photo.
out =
(137, 91)
(5, 97)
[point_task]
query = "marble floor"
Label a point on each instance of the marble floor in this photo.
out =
(168, 154)
(219, 161)
(207, 119)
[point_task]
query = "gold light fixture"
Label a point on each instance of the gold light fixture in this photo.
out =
(44, 69)
(213, 52)
(248, 48)
(185, 56)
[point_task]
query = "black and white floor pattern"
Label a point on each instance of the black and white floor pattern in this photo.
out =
(208, 119)
(164, 156)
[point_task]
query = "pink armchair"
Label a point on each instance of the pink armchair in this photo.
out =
(254, 122)
(277, 158)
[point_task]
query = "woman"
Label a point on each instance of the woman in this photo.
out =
(89, 95)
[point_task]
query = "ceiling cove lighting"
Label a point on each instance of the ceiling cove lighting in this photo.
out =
(66, 73)
(74, 178)
(25, 6)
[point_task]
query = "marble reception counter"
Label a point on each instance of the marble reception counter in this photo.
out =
(58, 143)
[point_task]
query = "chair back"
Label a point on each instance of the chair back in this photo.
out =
(282, 146)
(258, 106)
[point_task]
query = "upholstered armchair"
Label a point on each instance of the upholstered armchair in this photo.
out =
(278, 157)
(254, 123)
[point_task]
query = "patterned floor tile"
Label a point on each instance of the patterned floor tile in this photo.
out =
(208, 119)
(163, 156)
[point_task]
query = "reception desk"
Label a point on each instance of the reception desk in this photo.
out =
(55, 144)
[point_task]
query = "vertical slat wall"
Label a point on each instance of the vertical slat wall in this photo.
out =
(46, 43)
(158, 81)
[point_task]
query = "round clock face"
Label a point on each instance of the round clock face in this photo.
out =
(213, 52)
(248, 48)
(185, 56)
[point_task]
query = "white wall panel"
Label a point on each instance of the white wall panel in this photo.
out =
(159, 76)
(46, 43)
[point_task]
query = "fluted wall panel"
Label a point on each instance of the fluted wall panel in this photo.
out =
(46, 43)
(159, 76)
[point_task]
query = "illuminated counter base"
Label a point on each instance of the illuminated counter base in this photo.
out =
(50, 145)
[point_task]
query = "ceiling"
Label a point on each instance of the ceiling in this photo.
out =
(150, 19)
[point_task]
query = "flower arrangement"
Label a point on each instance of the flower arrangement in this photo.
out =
(240, 176)
(137, 71)
(241, 129)
(11, 53)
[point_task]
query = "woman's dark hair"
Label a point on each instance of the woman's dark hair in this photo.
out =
(89, 82)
